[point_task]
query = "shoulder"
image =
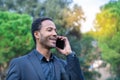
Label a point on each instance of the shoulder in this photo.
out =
(21, 59)
(18, 60)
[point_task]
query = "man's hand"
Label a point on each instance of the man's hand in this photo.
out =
(67, 48)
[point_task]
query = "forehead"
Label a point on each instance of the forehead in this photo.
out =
(48, 23)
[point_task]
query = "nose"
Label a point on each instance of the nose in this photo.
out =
(54, 33)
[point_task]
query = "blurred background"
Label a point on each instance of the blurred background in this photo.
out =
(93, 28)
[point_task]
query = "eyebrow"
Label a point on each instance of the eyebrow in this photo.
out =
(51, 28)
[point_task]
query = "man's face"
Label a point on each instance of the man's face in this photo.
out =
(47, 34)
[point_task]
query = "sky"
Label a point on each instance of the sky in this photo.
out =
(90, 8)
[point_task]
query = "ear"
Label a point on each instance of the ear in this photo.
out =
(37, 34)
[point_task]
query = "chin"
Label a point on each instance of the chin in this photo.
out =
(53, 46)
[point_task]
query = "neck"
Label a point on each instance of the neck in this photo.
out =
(44, 51)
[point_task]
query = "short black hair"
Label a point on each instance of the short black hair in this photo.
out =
(36, 25)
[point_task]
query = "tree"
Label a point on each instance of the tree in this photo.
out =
(107, 33)
(35, 8)
(89, 53)
(15, 39)
(26, 6)
(72, 19)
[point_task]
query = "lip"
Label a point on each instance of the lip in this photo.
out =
(53, 40)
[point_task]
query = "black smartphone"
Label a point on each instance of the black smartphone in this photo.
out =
(60, 43)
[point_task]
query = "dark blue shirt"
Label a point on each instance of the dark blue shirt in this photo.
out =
(47, 66)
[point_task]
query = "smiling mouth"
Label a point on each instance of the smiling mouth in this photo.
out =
(53, 40)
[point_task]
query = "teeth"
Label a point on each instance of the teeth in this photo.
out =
(52, 38)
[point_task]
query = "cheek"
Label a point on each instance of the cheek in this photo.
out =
(44, 39)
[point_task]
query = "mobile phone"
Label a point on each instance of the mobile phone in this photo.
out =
(60, 43)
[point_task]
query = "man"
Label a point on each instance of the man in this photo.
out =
(40, 64)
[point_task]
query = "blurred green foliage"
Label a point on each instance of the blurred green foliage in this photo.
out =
(107, 33)
(15, 35)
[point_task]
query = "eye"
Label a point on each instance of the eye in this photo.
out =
(49, 29)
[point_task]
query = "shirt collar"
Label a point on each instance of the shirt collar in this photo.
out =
(42, 58)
